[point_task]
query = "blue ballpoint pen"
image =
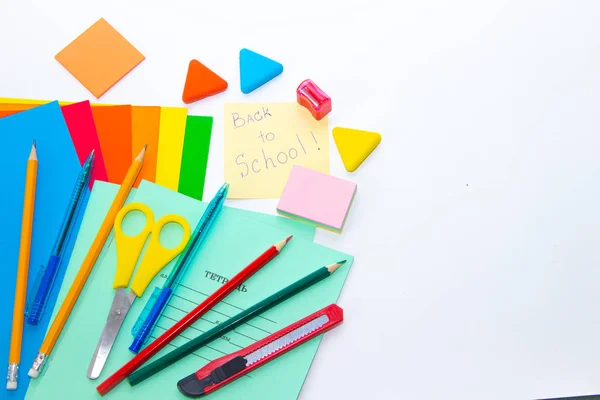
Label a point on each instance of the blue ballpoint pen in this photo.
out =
(47, 275)
(160, 298)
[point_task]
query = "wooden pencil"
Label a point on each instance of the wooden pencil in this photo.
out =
(190, 317)
(16, 336)
(86, 266)
(241, 318)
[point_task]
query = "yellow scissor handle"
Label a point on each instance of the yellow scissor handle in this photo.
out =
(129, 248)
(157, 256)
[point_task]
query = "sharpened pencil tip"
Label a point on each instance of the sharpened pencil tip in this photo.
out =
(140, 156)
(33, 152)
(331, 268)
(279, 246)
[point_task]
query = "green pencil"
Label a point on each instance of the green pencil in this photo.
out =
(146, 372)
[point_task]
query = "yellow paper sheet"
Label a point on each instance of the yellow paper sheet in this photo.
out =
(264, 141)
(10, 100)
(170, 146)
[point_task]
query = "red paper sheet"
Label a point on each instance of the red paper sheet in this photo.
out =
(80, 121)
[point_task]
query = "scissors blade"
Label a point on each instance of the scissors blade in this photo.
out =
(118, 310)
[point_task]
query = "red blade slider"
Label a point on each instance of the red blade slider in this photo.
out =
(226, 369)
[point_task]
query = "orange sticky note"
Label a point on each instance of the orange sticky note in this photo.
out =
(145, 122)
(99, 57)
(113, 124)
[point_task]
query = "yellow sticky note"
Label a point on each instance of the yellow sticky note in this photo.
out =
(264, 141)
(171, 134)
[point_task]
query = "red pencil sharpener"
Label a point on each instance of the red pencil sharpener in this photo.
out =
(314, 99)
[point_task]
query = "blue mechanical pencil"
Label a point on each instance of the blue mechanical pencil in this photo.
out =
(47, 275)
(147, 319)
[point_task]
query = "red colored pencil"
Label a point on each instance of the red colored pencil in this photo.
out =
(190, 318)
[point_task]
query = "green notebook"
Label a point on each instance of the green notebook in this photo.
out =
(237, 238)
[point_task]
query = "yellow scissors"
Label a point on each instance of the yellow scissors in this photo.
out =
(129, 249)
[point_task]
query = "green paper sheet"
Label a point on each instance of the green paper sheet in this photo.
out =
(65, 375)
(195, 156)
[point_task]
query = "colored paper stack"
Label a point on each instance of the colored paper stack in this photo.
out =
(178, 143)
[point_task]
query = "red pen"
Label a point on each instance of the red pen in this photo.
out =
(226, 369)
(190, 318)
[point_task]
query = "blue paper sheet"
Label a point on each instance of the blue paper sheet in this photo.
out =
(57, 170)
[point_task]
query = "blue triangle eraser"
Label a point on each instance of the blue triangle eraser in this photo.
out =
(256, 70)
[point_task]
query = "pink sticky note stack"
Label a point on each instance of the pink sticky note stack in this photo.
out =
(320, 199)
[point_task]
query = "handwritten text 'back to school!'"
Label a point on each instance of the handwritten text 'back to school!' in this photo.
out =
(271, 152)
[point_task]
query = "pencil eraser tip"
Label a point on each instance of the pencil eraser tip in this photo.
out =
(33, 373)
(11, 385)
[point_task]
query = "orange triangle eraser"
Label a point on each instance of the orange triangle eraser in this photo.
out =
(201, 82)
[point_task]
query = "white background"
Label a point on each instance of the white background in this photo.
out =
(476, 222)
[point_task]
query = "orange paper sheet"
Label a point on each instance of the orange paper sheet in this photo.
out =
(99, 57)
(113, 124)
(11, 108)
(6, 113)
(145, 122)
